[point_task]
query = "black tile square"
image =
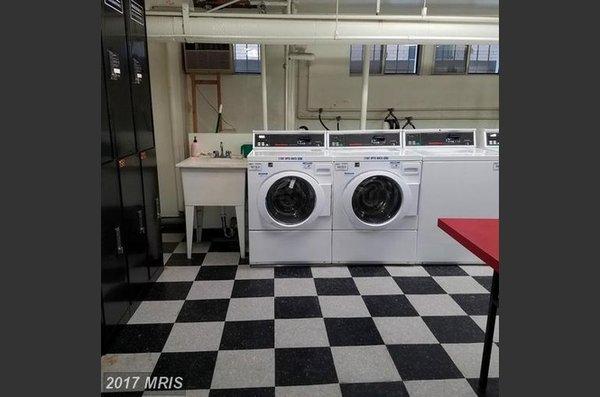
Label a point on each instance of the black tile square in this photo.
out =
(169, 247)
(123, 394)
(224, 246)
(245, 392)
(164, 291)
(139, 338)
(336, 286)
(297, 307)
(485, 281)
(216, 273)
(293, 272)
(304, 366)
(376, 389)
(473, 304)
(418, 285)
(368, 271)
(239, 335)
(421, 362)
(352, 331)
(454, 329)
(203, 310)
(389, 306)
(444, 270)
(182, 260)
(492, 390)
(196, 368)
(253, 288)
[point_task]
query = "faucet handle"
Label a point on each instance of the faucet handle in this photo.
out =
(228, 153)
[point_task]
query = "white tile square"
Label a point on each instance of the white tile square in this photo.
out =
(300, 332)
(439, 388)
(343, 306)
(435, 305)
(194, 337)
(377, 286)
(135, 362)
(361, 364)
(197, 248)
(295, 287)
(210, 289)
(404, 330)
(407, 271)
(245, 272)
(178, 273)
(330, 271)
(221, 259)
(481, 321)
(156, 312)
(460, 285)
(331, 390)
(172, 237)
(478, 270)
(245, 309)
(467, 357)
(244, 368)
(166, 257)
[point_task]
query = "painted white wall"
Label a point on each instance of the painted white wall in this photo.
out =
(434, 101)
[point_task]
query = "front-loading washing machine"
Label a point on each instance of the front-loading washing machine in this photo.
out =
(489, 139)
(375, 198)
(458, 180)
(289, 198)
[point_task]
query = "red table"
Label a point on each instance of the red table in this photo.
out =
(482, 238)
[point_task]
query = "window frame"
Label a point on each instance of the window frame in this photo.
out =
(234, 59)
(467, 63)
(481, 73)
(383, 54)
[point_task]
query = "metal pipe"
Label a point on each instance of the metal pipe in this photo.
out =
(378, 7)
(286, 96)
(222, 6)
(366, 61)
(263, 80)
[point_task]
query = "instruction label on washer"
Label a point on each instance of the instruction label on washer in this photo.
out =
(254, 166)
(341, 166)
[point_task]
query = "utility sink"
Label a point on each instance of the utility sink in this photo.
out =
(212, 162)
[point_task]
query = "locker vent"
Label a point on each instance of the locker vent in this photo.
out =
(137, 12)
(204, 58)
(116, 5)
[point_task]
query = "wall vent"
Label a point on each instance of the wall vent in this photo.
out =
(205, 58)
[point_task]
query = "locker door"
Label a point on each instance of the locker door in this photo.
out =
(152, 205)
(134, 222)
(140, 79)
(105, 138)
(115, 300)
(115, 58)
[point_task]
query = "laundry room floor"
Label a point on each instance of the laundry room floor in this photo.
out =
(232, 330)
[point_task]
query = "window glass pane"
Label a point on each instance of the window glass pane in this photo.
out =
(246, 58)
(484, 59)
(356, 59)
(401, 59)
(451, 59)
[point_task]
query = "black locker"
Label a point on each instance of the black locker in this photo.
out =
(152, 206)
(105, 138)
(115, 301)
(116, 71)
(139, 76)
(134, 222)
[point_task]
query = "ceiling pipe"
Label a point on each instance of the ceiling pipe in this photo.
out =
(222, 6)
(366, 61)
(263, 81)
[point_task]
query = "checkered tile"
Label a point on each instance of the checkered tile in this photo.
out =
(233, 330)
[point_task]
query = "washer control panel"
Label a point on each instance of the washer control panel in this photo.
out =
(289, 140)
(364, 139)
(440, 138)
(492, 138)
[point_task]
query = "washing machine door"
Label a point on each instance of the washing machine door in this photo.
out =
(374, 199)
(292, 199)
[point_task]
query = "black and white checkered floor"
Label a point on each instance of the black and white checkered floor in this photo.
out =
(232, 330)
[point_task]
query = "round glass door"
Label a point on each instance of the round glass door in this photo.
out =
(377, 199)
(290, 200)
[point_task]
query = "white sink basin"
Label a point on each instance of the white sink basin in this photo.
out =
(212, 162)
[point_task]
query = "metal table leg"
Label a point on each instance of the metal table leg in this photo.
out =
(489, 335)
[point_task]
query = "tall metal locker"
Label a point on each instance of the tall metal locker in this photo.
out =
(134, 220)
(115, 301)
(116, 70)
(140, 79)
(152, 205)
(105, 138)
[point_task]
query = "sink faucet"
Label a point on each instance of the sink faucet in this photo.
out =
(222, 155)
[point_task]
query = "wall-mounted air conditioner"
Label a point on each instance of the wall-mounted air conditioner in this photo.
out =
(205, 58)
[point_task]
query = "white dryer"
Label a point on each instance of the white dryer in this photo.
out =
(458, 180)
(289, 198)
(375, 198)
(489, 139)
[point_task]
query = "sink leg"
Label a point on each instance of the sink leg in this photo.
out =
(189, 228)
(240, 214)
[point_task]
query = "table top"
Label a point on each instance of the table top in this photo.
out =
(480, 236)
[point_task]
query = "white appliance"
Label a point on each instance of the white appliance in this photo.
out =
(289, 198)
(458, 180)
(375, 197)
(489, 139)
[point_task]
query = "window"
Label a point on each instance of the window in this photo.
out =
(450, 59)
(246, 58)
(399, 59)
(484, 59)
